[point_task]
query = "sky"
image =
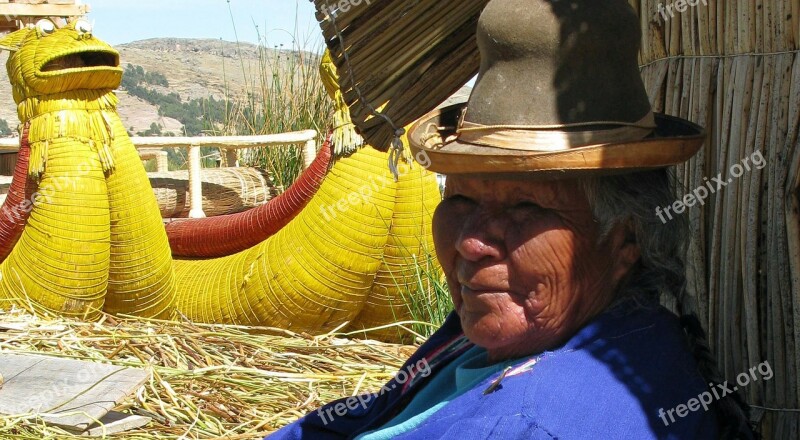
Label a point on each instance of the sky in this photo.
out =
(277, 21)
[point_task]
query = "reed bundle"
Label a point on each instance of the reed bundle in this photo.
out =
(402, 57)
(225, 191)
(208, 381)
(733, 67)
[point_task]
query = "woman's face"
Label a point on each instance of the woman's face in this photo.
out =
(524, 263)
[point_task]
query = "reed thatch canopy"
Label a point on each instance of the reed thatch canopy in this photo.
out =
(729, 65)
(409, 55)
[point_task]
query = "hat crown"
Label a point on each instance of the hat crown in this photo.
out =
(548, 62)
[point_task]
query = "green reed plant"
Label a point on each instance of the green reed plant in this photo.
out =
(429, 302)
(284, 94)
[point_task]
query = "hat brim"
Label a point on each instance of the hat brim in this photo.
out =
(674, 141)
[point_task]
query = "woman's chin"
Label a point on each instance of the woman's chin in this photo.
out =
(501, 338)
(481, 329)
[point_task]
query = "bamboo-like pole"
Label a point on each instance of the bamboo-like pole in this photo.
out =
(790, 201)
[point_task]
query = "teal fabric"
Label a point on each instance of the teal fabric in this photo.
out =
(457, 378)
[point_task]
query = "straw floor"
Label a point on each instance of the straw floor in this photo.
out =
(208, 381)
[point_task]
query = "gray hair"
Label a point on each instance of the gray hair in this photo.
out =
(633, 198)
(660, 275)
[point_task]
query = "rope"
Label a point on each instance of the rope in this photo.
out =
(396, 150)
(734, 55)
(790, 410)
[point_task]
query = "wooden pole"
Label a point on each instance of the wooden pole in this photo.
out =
(195, 183)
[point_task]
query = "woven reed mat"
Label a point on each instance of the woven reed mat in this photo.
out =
(68, 393)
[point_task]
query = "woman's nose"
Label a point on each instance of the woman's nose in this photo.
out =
(481, 237)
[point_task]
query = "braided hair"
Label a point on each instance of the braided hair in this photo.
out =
(633, 198)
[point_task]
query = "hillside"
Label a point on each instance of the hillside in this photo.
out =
(195, 69)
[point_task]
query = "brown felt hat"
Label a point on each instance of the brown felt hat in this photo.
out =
(559, 90)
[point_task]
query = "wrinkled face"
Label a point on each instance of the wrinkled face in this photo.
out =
(523, 262)
(47, 60)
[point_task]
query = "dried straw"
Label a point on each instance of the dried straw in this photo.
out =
(208, 381)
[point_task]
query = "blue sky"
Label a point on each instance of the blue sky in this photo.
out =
(278, 21)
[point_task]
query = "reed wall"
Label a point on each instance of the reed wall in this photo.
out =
(733, 67)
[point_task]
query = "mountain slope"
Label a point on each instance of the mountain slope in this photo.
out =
(195, 68)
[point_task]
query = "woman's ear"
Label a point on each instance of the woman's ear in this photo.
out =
(625, 247)
(13, 41)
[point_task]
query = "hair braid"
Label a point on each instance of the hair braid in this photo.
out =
(732, 410)
(661, 273)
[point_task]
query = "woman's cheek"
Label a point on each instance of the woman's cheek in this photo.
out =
(541, 255)
(447, 224)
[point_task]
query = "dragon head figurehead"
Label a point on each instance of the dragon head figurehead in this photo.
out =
(47, 60)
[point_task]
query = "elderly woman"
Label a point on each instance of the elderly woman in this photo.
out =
(553, 252)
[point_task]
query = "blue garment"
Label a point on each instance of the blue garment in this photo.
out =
(607, 382)
(455, 379)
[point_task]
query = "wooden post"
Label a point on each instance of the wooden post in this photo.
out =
(161, 157)
(162, 162)
(309, 153)
(195, 183)
(231, 157)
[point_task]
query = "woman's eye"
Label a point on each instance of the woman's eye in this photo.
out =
(458, 198)
(525, 210)
(527, 205)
